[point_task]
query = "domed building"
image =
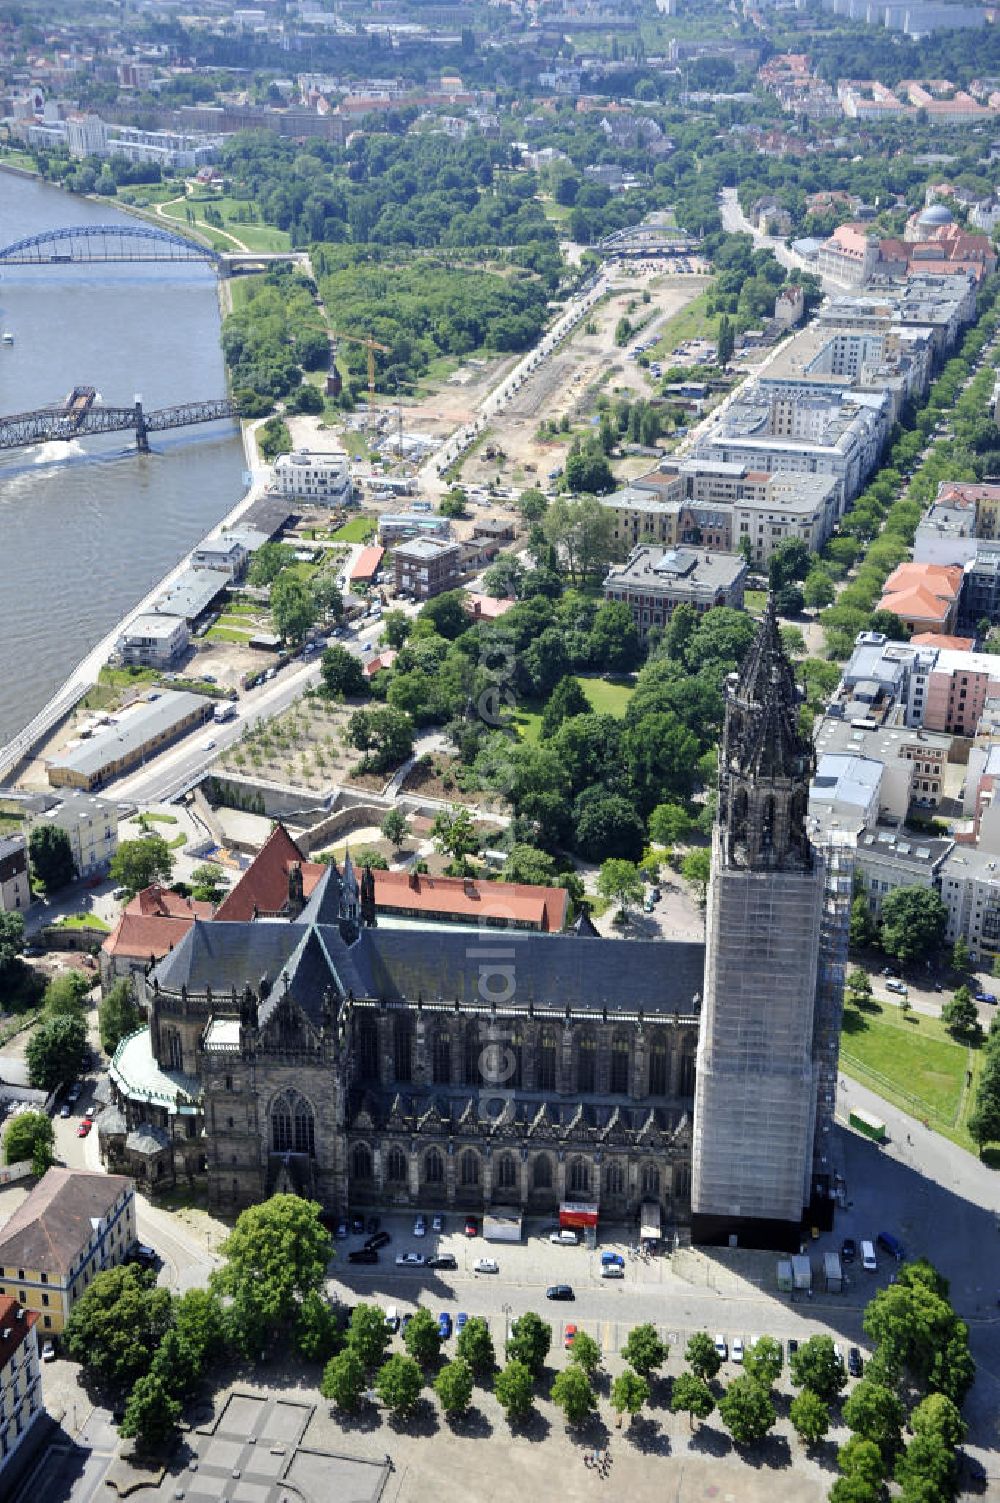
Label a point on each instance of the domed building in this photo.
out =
(928, 223)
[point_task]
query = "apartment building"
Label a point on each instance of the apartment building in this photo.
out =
(654, 581)
(923, 684)
(913, 761)
(21, 1402)
(924, 596)
(324, 479)
(72, 1226)
(15, 887)
(90, 823)
(970, 890)
(426, 567)
(153, 641)
(889, 858)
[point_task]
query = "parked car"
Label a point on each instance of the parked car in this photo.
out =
(437, 1223)
(612, 1257)
(74, 1093)
(899, 987)
(410, 1260)
(461, 1321)
(48, 1352)
(721, 1347)
(737, 1348)
(64, 1110)
(569, 1336)
(380, 1239)
(566, 1237)
(612, 1271)
(340, 1231)
(357, 1226)
(444, 1325)
(471, 1226)
(855, 1363)
(891, 1245)
(442, 1260)
(838, 1352)
(486, 1265)
(420, 1227)
(84, 1129)
(793, 1346)
(985, 997)
(560, 1291)
(392, 1319)
(848, 1250)
(363, 1255)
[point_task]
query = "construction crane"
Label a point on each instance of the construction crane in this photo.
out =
(371, 345)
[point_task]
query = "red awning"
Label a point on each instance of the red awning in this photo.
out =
(576, 1213)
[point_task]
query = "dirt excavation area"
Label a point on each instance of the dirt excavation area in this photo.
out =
(589, 362)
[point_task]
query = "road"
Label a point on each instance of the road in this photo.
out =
(179, 767)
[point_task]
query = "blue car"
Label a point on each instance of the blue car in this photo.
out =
(444, 1325)
(609, 1259)
(460, 1321)
(985, 997)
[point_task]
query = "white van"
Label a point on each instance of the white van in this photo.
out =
(567, 1237)
(868, 1262)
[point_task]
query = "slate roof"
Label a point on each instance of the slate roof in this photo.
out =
(49, 1229)
(551, 970)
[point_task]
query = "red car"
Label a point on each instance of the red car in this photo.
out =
(569, 1336)
(471, 1226)
(84, 1128)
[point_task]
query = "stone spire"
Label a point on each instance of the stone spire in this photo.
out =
(765, 762)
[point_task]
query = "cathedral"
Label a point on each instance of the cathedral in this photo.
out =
(376, 1062)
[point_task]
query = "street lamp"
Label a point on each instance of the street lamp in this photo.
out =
(506, 1323)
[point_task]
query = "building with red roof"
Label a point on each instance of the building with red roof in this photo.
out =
(149, 927)
(21, 1402)
(923, 596)
(367, 565)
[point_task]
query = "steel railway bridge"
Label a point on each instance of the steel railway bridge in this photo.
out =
(81, 416)
(96, 244)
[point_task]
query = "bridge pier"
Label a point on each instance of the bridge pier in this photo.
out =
(141, 431)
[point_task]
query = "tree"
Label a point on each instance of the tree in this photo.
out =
(454, 833)
(475, 1345)
(725, 341)
(396, 627)
(29, 1136)
(118, 1015)
(51, 857)
(398, 1384)
(56, 1052)
(526, 864)
(817, 589)
(344, 1379)
(746, 1411)
(452, 505)
(11, 947)
(984, 1119)
(619, 882)
(293, 608)
(529, 1341)
(696, 869)
(701, 1356)
(961, 1016)
(629, 1392)
(932, 1455)
(327, 595)
(669, 824)
(566, 701)
(137, 864)
(177, 1365)
(607, 824)
(810, 1417)
(117, 1324)
(317, 1329)
(691, 1395)
(384, 735)
(368, 1334)
(572, 1392)
(789, 562)
(960, 957)
(857, 1490)
(268, 562)
(645, 1351)
(200, 1322)
(913, 923)
(395, 827)
(65, 996)
(763, 1361)
(859, 987)
(816, 1365)
(875, 1413)
(585, 1352)
(343, 674)
(914, 1327)
(207, 883)
(532, 504)
(151, 1414)
(515, 1390)
(422, 1338)
(453, 1386)
(862, 930)
(502, 580)
(276, 1255)
(614, 638)
(862, 1459)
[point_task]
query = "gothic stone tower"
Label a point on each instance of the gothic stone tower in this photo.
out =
(755, 1092)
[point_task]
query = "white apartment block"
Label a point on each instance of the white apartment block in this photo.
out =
(307, 475)
(21, 1402)
(970, 890)
(153, 641)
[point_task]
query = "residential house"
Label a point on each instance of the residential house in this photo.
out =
(21, 1401)
(153, 640)
(149, 926)
(426, 567)
(73, 1225)
(924, 596)
(91, 825)
(15, 886)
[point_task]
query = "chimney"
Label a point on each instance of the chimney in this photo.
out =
(413, 881)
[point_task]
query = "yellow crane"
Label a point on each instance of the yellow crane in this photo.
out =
(371, 345)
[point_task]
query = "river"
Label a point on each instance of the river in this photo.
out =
(87, 529)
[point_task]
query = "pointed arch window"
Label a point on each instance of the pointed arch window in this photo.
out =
(433, 1167)
(293, 1125)
(361, 1161)
(395, 1167)
(547, 1061)
(506, 1172)
(469, 1168)
(541, 1172)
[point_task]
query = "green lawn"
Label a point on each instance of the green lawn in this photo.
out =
(754, 601)
(257, 237)
(914, 1063)
(82, 921)
(693, 322)
(230, 634)
(605, 697)
(357, 530)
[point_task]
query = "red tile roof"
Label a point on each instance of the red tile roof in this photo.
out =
(465, 898)
(941, 639)
(264, 884)
(367, 563)
(137, 936)
(15, 1324)
(162, 902)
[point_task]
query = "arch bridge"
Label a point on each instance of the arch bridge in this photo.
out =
(88, 244)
